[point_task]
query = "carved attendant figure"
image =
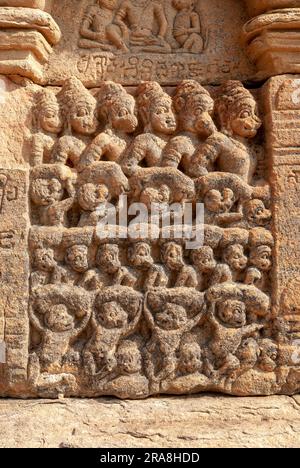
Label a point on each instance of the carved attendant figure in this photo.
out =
(181, 275)
(117, 109)
(187, 27)
(153, 275)
(194, 107)
(157, 114)
(138, 18)
(237, 112)
(98, 30)
(48, 124)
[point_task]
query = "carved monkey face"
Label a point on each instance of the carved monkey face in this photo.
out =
(44, 259)
(122, 115)
(198, 115)
(232, 313)
(140, 255)
(268, 356)
(235, 258)
(172, 256)
(245, 121)
(256, 213)
(162, 118)
(218, 202)
(129, 359)
(160, 196)
(108, 258)
(45, 192)
(83, 119)
(58, 319)
(204, 259)
(172, 318)
(112, 315)
(50, 118)
(190, 358)
(261, 257)
(77, 258)
(92, 196)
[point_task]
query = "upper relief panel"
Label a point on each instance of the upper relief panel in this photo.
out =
(134, 40)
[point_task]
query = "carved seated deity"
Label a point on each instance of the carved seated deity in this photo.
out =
(187, 27)
(138, 21)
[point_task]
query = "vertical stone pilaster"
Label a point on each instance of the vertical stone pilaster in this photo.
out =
(14, 272)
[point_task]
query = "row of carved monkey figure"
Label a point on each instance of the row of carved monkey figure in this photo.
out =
(153, 130)
(236, 316)
(241, 258)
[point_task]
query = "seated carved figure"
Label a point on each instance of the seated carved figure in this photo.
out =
(156, 110)
(194, 107)
(116, 315)
(151, 275)
(46, 271)
(127, 380)
(48, 123)
(180, 274)
(227, 150)
(161, 185)
(170, 314)
(99, 186)
(136, 19)
(187, 27)
(224, 196)
(52, 191)
(109, 270)
(210, 272)
(97, 28)
(117, 110)
(231, 310)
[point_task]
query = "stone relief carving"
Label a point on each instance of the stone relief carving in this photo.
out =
(139, 26)
(133, 315)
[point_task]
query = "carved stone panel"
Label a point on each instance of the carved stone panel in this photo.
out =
(98, 308)
(134, 40)
(149, 199)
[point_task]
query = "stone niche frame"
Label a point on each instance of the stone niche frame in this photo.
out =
(270, 38)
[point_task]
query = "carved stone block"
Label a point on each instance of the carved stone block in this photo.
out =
(149, 212)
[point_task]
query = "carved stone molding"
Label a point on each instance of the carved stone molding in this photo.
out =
(27, 36)
(272, 36)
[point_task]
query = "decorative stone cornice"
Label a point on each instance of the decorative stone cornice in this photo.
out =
(272, 36)
(27, 35)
